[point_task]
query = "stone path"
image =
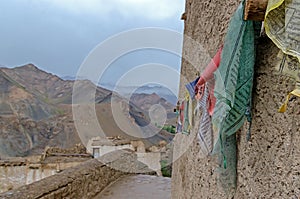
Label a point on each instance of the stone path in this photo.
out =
(139, 186)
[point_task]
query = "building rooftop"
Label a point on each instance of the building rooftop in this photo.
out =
(110, 141)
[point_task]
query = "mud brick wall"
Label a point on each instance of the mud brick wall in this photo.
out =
(83, 181)
(269, 165)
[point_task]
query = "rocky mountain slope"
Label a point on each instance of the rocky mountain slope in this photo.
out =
(146, 101)
(47, 87)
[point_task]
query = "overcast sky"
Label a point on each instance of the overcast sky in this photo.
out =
(57, 35)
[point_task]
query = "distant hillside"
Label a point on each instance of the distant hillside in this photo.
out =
(23, 137)
(36, 111)
(161, 91)
(48, 87)
(146, 101)
(15, 99)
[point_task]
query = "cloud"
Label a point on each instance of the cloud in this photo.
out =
(148, 9)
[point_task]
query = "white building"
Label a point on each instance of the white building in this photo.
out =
(100, 146)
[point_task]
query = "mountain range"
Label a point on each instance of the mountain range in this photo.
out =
(124, 90)
(160, 90)
(36, 111)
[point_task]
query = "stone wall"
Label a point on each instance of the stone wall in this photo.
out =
(13, 176)
(83, 181)
(152, 160)
(16, 172)
(269, 165)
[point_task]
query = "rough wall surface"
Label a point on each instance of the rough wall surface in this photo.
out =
(12, 177)
(269, 165)
(83, 181)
